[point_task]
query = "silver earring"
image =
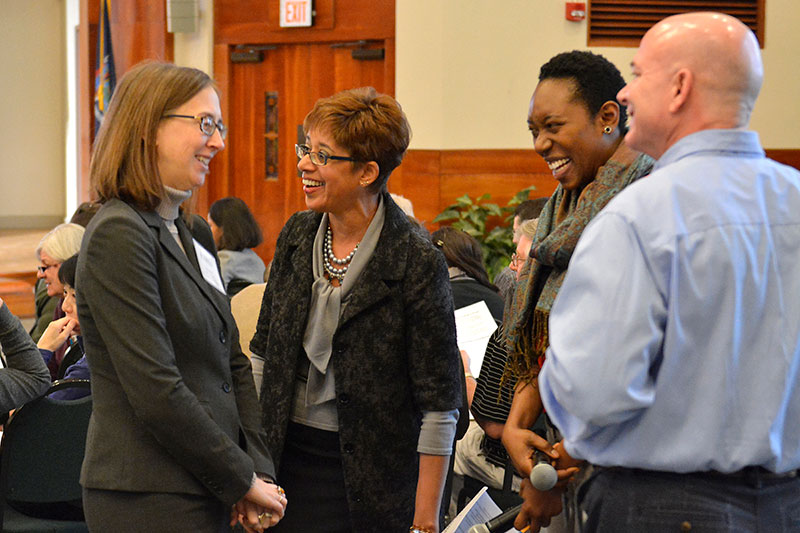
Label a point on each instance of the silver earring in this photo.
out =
(607, 130)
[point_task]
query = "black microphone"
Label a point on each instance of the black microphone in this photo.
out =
(498, 524)
(543, 476)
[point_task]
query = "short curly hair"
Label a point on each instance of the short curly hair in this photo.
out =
(369, 125)
(597, 80)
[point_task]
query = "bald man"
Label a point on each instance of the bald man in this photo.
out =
(674, 359)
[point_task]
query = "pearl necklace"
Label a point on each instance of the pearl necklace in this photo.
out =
(330, 259)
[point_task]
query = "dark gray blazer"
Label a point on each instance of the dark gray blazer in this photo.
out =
(175, 407)
(395, 356)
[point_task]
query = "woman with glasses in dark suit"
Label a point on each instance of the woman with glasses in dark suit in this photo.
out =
(174, 441)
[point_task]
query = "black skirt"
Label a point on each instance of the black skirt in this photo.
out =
(311, 473)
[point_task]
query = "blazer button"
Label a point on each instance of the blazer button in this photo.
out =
(222, 337)
(226, 386)
(349, 449)
(344, 399)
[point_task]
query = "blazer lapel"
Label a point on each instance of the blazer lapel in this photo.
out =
(187, 261)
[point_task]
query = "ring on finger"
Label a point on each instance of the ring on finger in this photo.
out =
(264, 516)
(281, 491)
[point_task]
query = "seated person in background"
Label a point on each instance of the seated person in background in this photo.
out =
(468, 278)
(480, 454)
(66, 331)
(61, 243)
(236, 233)
(26, 376)
(526, 210)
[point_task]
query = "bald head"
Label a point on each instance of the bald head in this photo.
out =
(692, 72)
(722, 54)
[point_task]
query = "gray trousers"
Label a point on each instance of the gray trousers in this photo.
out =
(149, 512)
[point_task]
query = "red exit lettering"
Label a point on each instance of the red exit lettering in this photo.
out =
(295, 11)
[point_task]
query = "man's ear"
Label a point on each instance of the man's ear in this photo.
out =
(681, 86)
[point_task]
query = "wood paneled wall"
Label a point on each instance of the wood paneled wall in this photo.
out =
(433, 179)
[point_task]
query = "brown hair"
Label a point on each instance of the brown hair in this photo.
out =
(369, 125)
(124, 161)
(239, 227)
(462, 250)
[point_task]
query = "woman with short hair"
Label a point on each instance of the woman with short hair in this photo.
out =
(58, 245)
(362, 380)
(578, 127)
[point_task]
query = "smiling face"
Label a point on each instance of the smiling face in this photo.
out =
(647, 98)
(50, 275)
(569, 139)
(184, 151)
(335, 187)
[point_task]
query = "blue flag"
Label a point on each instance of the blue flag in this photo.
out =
(105, 77)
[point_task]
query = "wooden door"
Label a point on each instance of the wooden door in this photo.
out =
(264, 107)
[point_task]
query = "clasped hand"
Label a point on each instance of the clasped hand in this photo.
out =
(261, 507)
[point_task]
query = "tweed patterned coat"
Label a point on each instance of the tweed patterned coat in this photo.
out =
(394, 356)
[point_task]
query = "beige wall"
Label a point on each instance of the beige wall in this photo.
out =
(466, 69)
(33, 110)
(465, 72)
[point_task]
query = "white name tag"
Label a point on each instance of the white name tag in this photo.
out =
(208, 266)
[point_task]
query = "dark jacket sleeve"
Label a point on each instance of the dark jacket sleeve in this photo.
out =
(26, 376)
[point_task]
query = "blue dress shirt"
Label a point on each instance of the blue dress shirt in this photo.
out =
(675, 338)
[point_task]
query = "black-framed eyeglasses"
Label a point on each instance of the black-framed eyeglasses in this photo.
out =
(44, 268)
(207, 124)
(318, 158)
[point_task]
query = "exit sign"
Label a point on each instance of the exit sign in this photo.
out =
(295, 13)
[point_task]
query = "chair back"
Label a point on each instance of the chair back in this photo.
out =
(42, 448)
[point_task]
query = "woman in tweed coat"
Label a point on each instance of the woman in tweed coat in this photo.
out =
(362, 378)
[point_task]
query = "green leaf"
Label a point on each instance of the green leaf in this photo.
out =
(448, 214)
(464, 200)
(493, 210)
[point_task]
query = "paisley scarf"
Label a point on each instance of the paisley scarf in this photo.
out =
(561, 223)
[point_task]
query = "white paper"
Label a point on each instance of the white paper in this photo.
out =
(474, 326)
(479, 510)
(208, 266)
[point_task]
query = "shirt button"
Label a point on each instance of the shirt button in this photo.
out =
(344, 399)
(226, 386)
(222, 337)
(349, 449)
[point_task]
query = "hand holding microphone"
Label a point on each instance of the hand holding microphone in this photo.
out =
(540, 504)
(543, 477)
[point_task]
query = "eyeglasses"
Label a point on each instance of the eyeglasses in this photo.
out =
(318, 158)
(44, 268)
(207, 124)
(517, 261)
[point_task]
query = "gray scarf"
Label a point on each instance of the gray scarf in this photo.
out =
(327, 304)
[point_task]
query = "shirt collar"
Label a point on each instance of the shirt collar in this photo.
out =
(743, 143)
